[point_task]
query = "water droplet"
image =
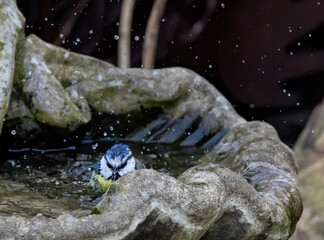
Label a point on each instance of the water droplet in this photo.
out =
(111, 128)
(313, 131)
(90, 31)
(13, 132)
(94, 146)
(57, 182)
(116, 37)
(136, 38)
(222, 5)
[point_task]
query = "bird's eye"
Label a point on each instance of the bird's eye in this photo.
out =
(109, 165)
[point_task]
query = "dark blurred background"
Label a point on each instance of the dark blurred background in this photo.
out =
(265, 56)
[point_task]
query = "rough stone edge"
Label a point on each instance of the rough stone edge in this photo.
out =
(309, 144)
(254, 151)
(188, 92)
(12, 24)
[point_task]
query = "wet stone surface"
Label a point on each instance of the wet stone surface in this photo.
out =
(309, 150)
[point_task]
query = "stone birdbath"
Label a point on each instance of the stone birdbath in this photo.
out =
(244, 188)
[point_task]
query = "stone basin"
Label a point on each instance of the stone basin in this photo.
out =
(244, 188)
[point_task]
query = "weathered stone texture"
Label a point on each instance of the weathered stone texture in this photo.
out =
(11, 25)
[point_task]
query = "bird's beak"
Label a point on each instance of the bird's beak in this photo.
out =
(115, 176)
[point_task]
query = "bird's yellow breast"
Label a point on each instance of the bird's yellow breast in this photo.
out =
(103, 183)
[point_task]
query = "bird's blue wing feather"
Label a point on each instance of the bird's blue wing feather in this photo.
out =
(95, 166)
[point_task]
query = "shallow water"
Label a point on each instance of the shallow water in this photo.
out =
(54, 181)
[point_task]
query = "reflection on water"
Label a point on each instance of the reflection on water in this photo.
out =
(55, 182)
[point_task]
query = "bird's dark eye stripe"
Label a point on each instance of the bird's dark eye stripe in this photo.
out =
(109, 165)
(129, 157)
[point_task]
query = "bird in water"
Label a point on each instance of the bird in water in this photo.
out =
(117, 161)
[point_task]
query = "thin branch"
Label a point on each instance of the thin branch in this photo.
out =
(151, 34)
(124, 43)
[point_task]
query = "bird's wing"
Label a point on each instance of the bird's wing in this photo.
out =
(139, 164)
(95, 166)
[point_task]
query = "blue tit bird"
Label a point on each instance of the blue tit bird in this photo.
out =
(116, 162)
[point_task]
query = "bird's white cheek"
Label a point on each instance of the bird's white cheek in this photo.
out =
(130, 166)
(105, 171)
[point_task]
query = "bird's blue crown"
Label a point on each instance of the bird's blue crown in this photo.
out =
(117, 151)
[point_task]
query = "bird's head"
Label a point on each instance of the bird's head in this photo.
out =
(116, 162)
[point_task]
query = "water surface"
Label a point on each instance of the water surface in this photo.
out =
(54, 181)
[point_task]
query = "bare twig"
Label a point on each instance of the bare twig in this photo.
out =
(151, 34)
(124, 43)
